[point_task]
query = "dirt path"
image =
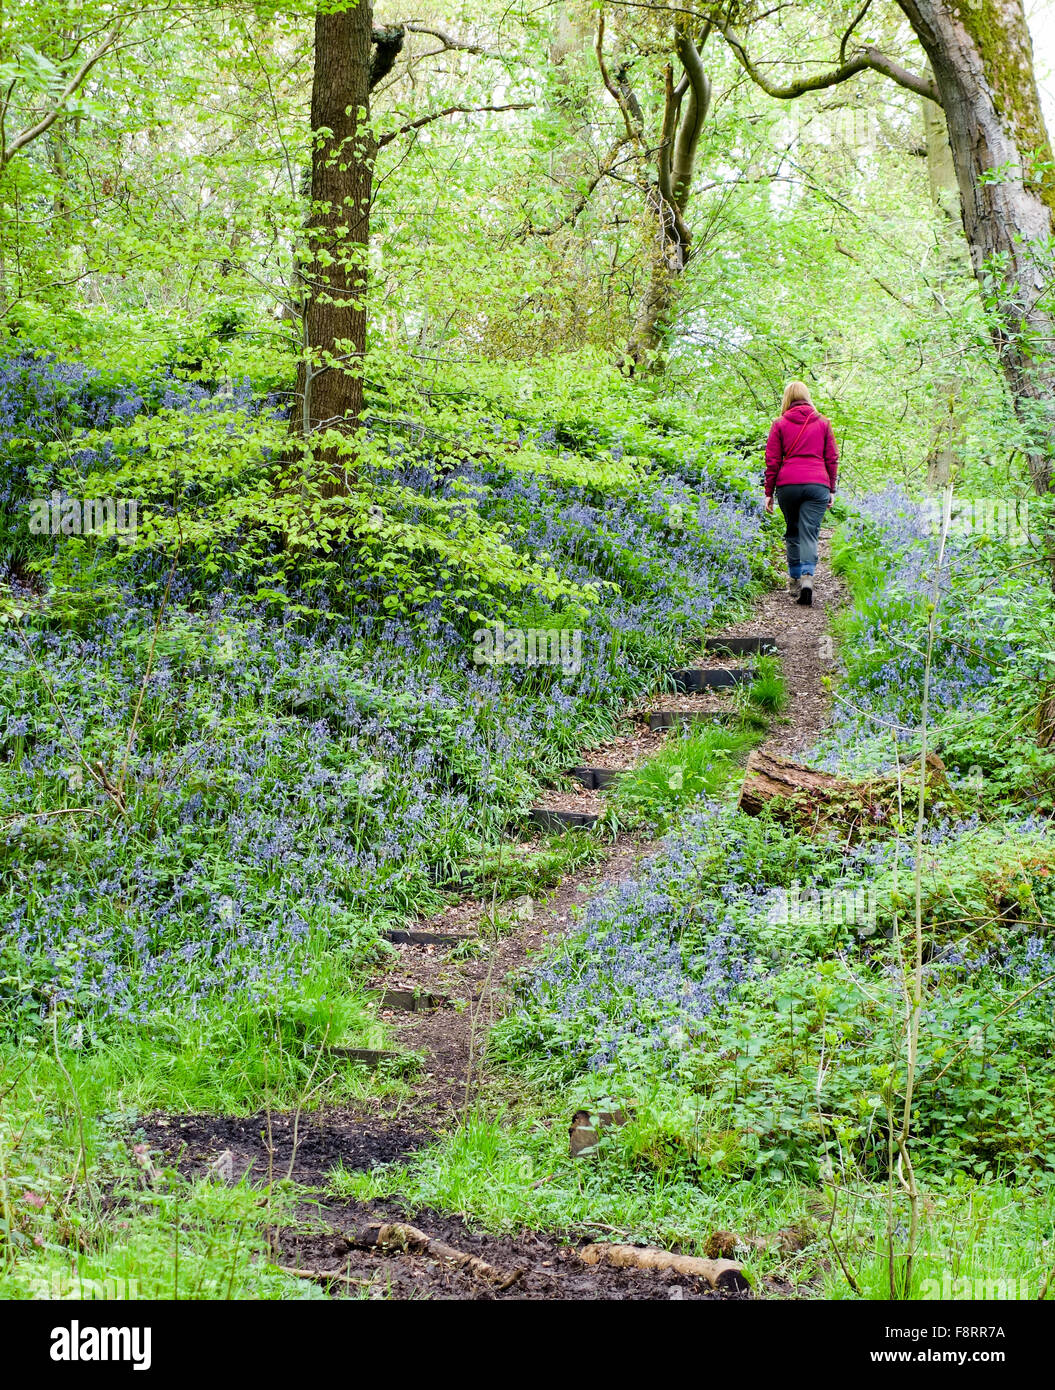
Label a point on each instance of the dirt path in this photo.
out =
(451, 1040)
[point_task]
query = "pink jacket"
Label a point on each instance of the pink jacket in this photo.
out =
(801, 449)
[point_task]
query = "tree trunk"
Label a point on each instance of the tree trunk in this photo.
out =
(685, 109)
(941, 172)
(667, 261)
(983, 65)
(944, 454)
(330, 377)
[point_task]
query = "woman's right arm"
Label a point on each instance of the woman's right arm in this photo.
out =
(774, 456)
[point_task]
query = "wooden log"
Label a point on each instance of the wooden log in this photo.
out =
(808, 797)
(720, 1274)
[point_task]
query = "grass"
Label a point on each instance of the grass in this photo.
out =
(768, 690)
(504, 1175)
(83, 1215)
(981, 1243)
(700, 763)
(526, 868)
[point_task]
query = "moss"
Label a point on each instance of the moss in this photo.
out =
(999, 31)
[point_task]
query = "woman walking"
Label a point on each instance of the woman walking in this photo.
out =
(801, 467)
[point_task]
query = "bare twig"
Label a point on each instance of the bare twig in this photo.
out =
(391, 135)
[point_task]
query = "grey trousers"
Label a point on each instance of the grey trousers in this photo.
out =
(803, 506)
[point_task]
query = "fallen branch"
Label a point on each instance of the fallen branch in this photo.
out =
(720, 1274)
(396, 1235)
(809, 798)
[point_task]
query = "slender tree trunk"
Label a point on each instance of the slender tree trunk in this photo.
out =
(941, 172)
(983, 65)
(667, 262)
(685, 109)
(330, 378)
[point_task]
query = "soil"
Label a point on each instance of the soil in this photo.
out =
(577, 798)
(625, 752)
(450, 1039)
(262, 1145)
(800, 633)
(551, 1269)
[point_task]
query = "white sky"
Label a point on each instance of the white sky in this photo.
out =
(1041, 14)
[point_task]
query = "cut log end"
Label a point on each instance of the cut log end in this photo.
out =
(726, 1275)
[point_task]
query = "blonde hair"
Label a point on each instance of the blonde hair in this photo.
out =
(795, 391)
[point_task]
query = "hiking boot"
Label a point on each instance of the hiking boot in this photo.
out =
(794, 585)
(806, 590)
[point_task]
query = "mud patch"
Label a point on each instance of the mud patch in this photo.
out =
(263, 1145)
(551, 1268)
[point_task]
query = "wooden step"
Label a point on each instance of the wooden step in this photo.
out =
(542, 818)
(678, 718)
(399, 937)
(597, 778)
(410, 1000)
(365, 1056)
(741, 646)
(693, 679)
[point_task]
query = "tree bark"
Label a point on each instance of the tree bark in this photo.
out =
(983, 66)
(720, 1274)
(329, 390)
(685, 109)
(818, 801)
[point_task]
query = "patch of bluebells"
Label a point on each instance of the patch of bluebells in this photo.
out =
(44, 401)
(881, 687)
(292, 779)
(669, 562)
(658, 954)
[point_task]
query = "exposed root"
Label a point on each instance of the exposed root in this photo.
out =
(396, 1235)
